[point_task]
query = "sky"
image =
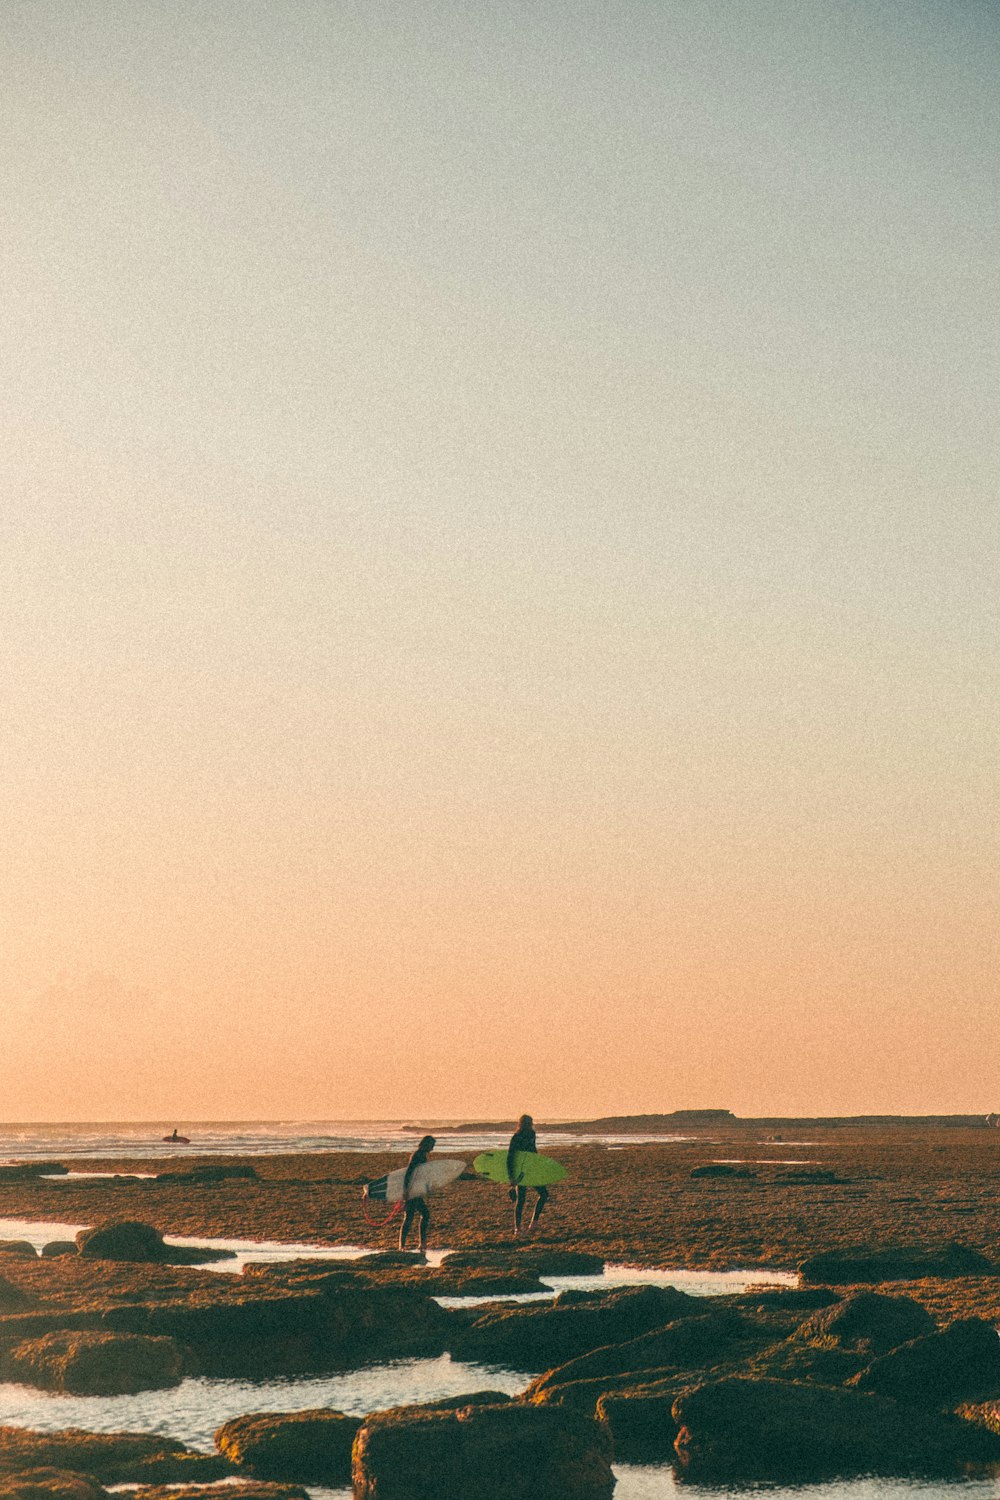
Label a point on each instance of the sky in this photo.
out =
(498, 602)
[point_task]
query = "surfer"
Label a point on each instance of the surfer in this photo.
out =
(416, 1206)
(523, 1139)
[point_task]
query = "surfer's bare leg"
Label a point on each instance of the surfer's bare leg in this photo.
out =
(540, 1201)
(415, 1207)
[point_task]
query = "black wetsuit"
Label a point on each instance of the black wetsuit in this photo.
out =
(524, 1140)
(415, 1207)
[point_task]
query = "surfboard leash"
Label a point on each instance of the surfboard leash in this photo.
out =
(378, 1223)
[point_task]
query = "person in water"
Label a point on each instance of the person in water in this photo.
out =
(417, 1206)
(523, 1139)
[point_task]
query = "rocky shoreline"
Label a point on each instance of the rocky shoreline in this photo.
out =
(885, 1359)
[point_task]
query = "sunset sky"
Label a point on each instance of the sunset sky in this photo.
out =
(499, 572)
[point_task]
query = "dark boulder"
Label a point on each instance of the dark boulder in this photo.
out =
(865, 1263)
(94, 1364)
(56, 1248)
(721, 1169)
(310, 1447)
(18, 1249)
(960, 1364)
(689, 1343)
(868, 1322)
(770, 1429)
(509, 1452)
(131, 1240)
(541, 1336)
(31, 1171)
(333, 1326)
(641, 1420)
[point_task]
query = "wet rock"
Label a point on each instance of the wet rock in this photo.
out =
(114, 1457)
(50, 1484)
(820, 1178)
(211, 1174)
(769, 1429)
(94, 1364)
(721, 1169)
(585, 1396)
(540, 1260)
(869, 1322)
(793, 1360)
(542, 1336)
(132, 1240)
(18, 1249)
(331, 1327)
(379, 1259)
(688, 1343)
(509, 1452)
(247, 1490)
(310, 1447)
(57, 1248)
(787, 1298)
(250, 1489)
(895, 1263)
(960, 1364)
(31, 1170)
(641, 1421)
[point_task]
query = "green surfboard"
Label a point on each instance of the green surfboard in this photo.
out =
(530, 1169)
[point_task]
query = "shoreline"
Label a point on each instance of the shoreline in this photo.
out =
(632, 1204)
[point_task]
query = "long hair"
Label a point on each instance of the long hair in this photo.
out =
(525, 1123)
(427, 1144)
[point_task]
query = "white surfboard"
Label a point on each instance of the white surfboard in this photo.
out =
(426, 1179)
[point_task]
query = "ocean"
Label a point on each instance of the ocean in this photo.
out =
(63, 1142)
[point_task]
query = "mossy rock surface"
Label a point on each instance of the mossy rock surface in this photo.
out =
(509, 1452)
(308, 1447)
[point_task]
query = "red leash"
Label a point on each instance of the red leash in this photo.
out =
(378, 1223)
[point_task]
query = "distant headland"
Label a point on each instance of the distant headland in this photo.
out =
(693, 1119)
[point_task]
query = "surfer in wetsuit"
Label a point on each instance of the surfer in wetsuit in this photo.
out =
(523, 1139)
(416, 1207)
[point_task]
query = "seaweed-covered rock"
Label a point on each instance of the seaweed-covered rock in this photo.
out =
(50, 1484)
(87, 1363)
(868, 1322)
(14, 1298)
(641, 1419)
(771, 1429)
(253, 1489)
(509, 1452)
(18, 1249)
(211, 1174)
(721, 1169)
(865, 1263)
(132, 1240)
(960, 1364)
(311, 1447)
(114, 1457)
(56, 1248)
(29, 1171)
(688, 1343)
(538, 1337)
(540, 1260)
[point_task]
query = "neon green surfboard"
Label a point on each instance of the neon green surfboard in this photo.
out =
(530, 1169)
